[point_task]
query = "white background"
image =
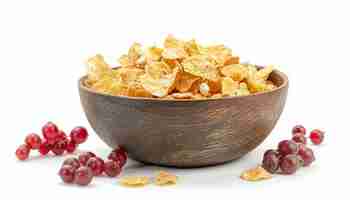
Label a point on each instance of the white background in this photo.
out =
(43, 45)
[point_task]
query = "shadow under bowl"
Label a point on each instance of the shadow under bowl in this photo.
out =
(185, 133)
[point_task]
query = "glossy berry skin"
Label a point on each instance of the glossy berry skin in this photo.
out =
(112, 168)
(289, 164)
(45, 148)
(73, 162)
(96, 165)
(22, 152)
(271, 161)
(83, 176)
(71, 146)
(306, 154)
(79, 135)
(67, 173)
(59, 147)
(118, 155)
(61, 135)
(316, 136)
(286, 147)
(84, 157)
(299, 138)
(33, 141)
(299, 129)
(50, 132)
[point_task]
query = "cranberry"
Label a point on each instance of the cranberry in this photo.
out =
(316, 136)
(286, 147)
(96, 164)
(306, 154)
(61, 135)
(59, 147)
(79, 135)
(71, 146)
(67, 173)
(112, 168)
(118, 155)
(289, 164)
(83, 176)
(271, 161)
(73, 162)
(299, 138)
(50, 131)
(84, 157)
(299, 129)
(22, 152)
(44, 148)
(33, 141)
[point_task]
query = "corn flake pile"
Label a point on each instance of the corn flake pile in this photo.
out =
(179, 70)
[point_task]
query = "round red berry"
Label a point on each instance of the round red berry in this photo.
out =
(50, 131)
(286, 147)
(271, 161)
(84, 157)
(67, 173)
(71, 146)
(299, 138)
(83, 176)
(119, 155)
(33, 141)
(316, 136)
(22, 152)
(73, 162)
(306, 154)
(299, 129)
(112, 168)
(61, 135)
(96, 164)
(289, 164)
(44, 148)
(59, 147)
(79, 135)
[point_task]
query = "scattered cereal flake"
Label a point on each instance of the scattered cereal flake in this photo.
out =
(204, 89)
(229, 86)
(185, 81)
(174, 53)
(97, 68)
(153, 54)
(159, 87)
(137, 91)
(242, 90)
(134, 181)
(128, 75)
(256, 174)
(156, 70)
(132, 58)
(135, 51)
(192, 48)
(215, 86)
(182, 95)
(202, 66)
(219, 53)
(165, 178)
(255, 84)
(264, 73)
(234, 59)
(171, 42)
(236, 71)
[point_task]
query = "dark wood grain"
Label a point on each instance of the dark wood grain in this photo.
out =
(190, 133)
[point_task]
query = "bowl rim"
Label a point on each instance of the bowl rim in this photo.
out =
(284, 84)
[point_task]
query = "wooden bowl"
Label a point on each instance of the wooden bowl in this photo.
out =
(185, 133)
